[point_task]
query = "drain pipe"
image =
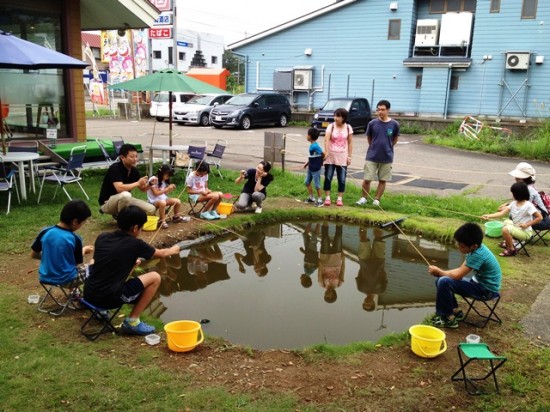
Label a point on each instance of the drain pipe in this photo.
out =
(317, 89)
(347, 86)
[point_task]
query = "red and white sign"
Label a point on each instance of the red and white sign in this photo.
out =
(162, 5)
(160, 33)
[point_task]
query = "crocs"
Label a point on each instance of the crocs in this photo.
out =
(141, 328)
(327, 202)
(339, 203)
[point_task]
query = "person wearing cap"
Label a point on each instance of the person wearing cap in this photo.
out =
(524, 172)
(157, 194)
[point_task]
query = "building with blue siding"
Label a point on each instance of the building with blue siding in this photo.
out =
(429, 58)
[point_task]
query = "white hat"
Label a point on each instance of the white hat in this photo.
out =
(523, 171)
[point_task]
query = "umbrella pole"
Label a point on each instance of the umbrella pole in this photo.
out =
(2, 129)
(170, 126)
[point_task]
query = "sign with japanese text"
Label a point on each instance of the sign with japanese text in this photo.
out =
(164, 19)
(162, 5)
(160, 33)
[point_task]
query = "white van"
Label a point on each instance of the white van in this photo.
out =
(159, 104)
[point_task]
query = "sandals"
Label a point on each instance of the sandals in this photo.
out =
(502, 244)
(508, 252)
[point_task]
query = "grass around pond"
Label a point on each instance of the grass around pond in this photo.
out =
(46, 364)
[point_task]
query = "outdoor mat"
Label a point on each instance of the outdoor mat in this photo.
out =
(395, 178)
(435, 184)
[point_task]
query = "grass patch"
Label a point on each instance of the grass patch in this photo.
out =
(534, 146)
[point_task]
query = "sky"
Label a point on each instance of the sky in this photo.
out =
(237, 19)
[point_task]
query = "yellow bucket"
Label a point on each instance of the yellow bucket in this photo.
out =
(151, 224)
(183, 335)
(427, 341)
(224, 208)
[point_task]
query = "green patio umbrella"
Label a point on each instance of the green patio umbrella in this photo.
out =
(168, 80)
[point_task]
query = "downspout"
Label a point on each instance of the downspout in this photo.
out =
(447, 93)
(317, 89)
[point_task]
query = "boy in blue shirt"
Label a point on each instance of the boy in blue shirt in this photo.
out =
(314, 163)
(59, 249)
(484, 285)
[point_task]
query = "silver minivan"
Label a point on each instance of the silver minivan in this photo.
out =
(197, 109)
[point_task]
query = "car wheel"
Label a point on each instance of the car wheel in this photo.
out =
(217, 126)
(205, 119)
(160, 119)
(246, 123)
(283, 120)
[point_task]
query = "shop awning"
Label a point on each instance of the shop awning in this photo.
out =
(117, 14)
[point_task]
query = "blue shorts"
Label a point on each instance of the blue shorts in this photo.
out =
(315, 177)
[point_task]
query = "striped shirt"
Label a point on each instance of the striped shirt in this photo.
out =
(486, 268)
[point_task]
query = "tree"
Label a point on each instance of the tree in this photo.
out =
(236, 67)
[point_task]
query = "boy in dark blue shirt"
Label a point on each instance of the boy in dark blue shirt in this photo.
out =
(314, 163)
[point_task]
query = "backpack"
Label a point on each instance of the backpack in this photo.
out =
(545, 199)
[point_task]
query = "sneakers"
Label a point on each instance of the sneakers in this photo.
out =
(444, 322)
(141, 328)
(326, 202)
(376, 202)
(459, 316)
(214, 214)
(362, 201)
(207, 216)
(258, 210)
(103, 315)
(319, 203)
(309, 200)
(339, 202)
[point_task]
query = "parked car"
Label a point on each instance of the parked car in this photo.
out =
(359, 114)
(197, 109)
(159, 105)
(250, 109)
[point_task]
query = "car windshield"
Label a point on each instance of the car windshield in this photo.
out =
(337, 104)
(242, 100)
(163, 98)
(200, 99)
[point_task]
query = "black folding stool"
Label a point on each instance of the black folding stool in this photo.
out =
(488, 305)
(101, 316)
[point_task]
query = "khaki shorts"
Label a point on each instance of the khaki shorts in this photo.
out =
(517, 232)
(377, 171)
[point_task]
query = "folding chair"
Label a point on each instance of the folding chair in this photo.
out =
(476, 352)
(521, 245)
(214, 158)
(8, 182)
(194, 205)
(68, 174)
(538, 236)
(110, 159)
(196, 153)
(101, 316)
(117, 144)
(486, 311)
(56, 305)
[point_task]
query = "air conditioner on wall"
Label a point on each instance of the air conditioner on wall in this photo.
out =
(303, 79)
(517, 60)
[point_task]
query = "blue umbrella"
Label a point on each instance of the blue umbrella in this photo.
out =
(16, 53)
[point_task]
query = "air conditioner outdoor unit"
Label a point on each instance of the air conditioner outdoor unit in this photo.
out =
(427, 32)
(517, 60)
(303, 79)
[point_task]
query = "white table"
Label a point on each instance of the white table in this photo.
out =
(19, 158)
(165, 148)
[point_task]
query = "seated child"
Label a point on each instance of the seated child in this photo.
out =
(197, 188)
(159, 187)
(485, 283)
(59, 249)
(523, 215)
(116, 254)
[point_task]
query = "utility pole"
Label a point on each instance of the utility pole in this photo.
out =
(175, 35)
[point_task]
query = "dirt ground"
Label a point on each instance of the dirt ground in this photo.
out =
(389, 378)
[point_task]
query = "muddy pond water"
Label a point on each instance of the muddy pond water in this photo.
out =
(296, 284)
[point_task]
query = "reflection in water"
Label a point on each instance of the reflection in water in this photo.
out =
(391, 292)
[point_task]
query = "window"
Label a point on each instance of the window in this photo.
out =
(214, 60)
(394, 29)
(529, 9)
(157, 54)
(181, 56)
(418, 81)
(170, 55)
(454, 82)
(444, 6)
(495, 6)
